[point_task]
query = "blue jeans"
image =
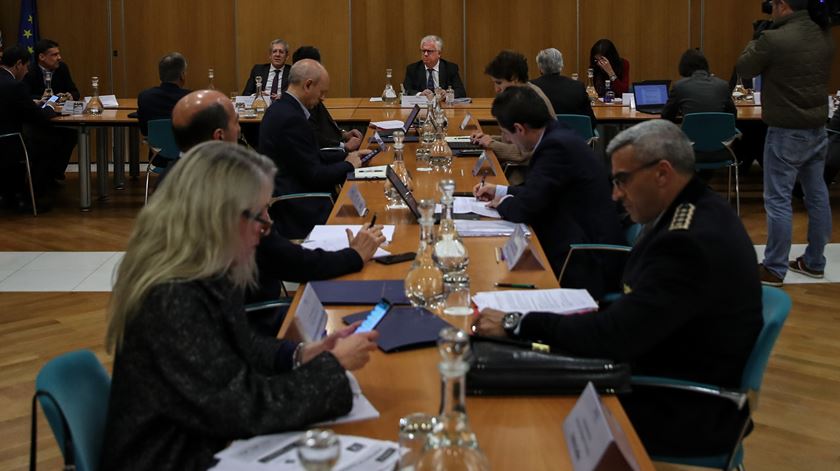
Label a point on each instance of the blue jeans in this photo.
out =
(788, 154)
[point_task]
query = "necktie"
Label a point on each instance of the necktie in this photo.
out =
(276, 82)
(430, 82)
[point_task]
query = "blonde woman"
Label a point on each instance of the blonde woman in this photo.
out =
(189, 373)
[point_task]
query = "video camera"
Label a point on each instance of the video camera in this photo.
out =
(825, 13)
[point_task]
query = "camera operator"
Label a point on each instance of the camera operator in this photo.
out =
(794, 58)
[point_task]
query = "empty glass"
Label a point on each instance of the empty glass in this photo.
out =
(318, 450)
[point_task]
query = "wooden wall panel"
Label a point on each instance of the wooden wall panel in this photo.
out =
(386, 34)
(834, 81)
(727, 28)
(651, 34)
(9, 18)
(526, 26)
(321, 23)
(202, 30)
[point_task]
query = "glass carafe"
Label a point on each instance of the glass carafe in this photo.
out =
(440, 155)
(590, 86)
(48, 91)
(391, 194)
(94, 106)
(424, 281)
(427, 137)
(211, 76)
(452, 445)
(450, 253)
(259, 105)
(740, 92)
(389, 95)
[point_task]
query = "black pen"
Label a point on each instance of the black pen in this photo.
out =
(482, 181)
(516, 285)
(373, 221)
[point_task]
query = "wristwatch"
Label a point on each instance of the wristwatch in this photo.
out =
(613, 77)
(510, 322)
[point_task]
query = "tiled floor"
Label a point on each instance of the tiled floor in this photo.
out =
(832, 267)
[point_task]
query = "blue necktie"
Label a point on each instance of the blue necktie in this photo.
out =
(430, 82)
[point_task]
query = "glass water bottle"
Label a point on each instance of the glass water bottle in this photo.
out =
(94, 106)
(424, 281)
(590, 86)
(389, 95)
(440, 155)
(391, 194)
(609, 95)
(427, 137)
(259, 104)
(48, 91)
(211, 75)
(450, 253)
(452, 445)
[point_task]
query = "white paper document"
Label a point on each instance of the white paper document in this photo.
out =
(336, 231)
(468, 204)
(558, 300)
(335, 244)
(362, 408)
(389, 124)
(108, 101)
(499, 228)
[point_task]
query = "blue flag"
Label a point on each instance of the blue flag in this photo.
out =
(28, 30)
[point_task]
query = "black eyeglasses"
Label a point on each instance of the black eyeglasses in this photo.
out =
(265, 224)
(622, 178)
(428, 51)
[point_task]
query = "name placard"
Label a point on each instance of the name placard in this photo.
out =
(108, 101)
(594, 438)
(410, 100)
(480, 165)
(628, 99)
(378, 139)
(310, 316)
(466, 120)
(357, 199)
(73, 108)
(519, 253)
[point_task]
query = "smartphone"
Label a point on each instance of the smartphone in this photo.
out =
(52, 99)
(395, 258)
(367, 157)
(375, 316)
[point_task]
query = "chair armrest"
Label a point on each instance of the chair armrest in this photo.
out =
(618, 248)
(736, 397)
(829, 131)
(275, 303)
(294, 196)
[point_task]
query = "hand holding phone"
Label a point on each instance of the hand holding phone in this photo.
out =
(375, 316)
(366, 158)
(52, 100)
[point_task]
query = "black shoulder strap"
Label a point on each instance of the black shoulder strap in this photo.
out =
(69, 459)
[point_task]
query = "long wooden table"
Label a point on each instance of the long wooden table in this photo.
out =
(514, 432)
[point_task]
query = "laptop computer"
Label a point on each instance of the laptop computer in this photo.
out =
(651, 96)
(412, 116)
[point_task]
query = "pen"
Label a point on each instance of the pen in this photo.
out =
(373, 220)
(482, 181)
(516, 285)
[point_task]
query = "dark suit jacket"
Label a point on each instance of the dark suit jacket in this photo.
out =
(262, 70)
(691, 310)
(326, 130)
(157, 103)
(17, 108)
(286, 136)
(699, 93)
(62, 82)
(415, 78)
(566, 199)
(567, 96)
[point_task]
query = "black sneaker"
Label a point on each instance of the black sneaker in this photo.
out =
(768, 278)
(799, 266)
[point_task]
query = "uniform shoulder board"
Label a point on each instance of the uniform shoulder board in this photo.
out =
(682, 217)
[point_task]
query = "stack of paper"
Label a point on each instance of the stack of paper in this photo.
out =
(469, 228)
(468, 204)
(333, 237)
(558, 301)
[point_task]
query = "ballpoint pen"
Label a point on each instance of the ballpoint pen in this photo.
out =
(373, 220)
(516, 285)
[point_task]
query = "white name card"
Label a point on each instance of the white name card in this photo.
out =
(310, 316)
(628, 99)
(357, 199)
(408, 101)
(73, 108)
(757, 98)
(479, 165)
(594, 438)
(466, 120)
(108, 101)
(518, 251)
(379, 141)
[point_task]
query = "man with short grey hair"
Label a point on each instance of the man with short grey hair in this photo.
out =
(432, 71)
(567, 96)
(158, 102)
(275, 74)
(691, 307)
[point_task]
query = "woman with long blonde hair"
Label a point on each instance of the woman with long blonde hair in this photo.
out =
(189, 373)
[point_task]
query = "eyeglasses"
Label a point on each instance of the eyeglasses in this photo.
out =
(428, 51)
(265, 224)
(620, 179)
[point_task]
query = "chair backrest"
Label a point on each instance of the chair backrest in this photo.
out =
(709, 131)
(579, 123)
(161, 137)
(775, 308)
(77, 387)
(631, 233)
(14, 139)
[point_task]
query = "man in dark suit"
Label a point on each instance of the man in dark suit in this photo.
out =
(566, 198)
(157, 102)
(16, 110)
(289, 140)
(691, 308)
(49, 60)
(432, 71)
(697, 91)
(567, 96)
(275, 74)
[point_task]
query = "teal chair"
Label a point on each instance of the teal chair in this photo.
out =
(582, 125)
(165, 150)
(776, 306)
(714, 132)
(73, 390)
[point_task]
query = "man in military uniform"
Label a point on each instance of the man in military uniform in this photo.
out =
(692, 300)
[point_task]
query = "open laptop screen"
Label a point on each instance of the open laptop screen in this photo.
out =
(650, 94)
(404, 192)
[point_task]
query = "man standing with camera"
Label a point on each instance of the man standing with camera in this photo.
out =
(793, 57)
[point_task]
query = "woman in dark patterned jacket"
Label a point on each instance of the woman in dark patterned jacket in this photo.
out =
(189, 373)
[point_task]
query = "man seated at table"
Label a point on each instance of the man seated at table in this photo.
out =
(325, 127)
(287, 138)
(567, 196)
(697, 91)
(275, 74)
(432, 71)
(157, 102)
(207, 115)
(691, 308)
(567, 96)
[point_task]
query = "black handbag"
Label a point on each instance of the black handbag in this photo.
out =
(509, 367)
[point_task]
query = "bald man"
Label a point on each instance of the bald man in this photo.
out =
(288, 139)
(204, 115)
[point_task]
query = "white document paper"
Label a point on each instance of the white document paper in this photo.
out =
(362, 408)
(377, 172)
(468, 204)
(499, 228)
(558, 300)
(336, 244)
(391, 124)
(336, 231)
(108, 101)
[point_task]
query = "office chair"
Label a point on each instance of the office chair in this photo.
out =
(582, 125)
(165, 150)
(19, 137)
(73, 390)
(776, 306)
(712, 132)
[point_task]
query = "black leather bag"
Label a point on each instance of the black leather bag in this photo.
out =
(513, 368)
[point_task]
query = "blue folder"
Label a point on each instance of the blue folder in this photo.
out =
(404, 328)
(359, 292)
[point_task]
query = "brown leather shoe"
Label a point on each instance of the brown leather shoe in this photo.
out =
(799, 266)
(768, 278)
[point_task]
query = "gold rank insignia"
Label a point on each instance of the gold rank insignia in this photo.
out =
(682, 217)
(627, 289)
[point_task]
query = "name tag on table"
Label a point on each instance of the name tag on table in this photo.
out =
(519, 253)
(73, 108)
(465, 121)
(357, 199)
(628, 99)
(378, 139)
(480, 164)
(594, 438)
(409, 101)
(108, 101)
(310, 316)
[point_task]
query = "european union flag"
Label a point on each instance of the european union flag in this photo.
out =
(28, 30)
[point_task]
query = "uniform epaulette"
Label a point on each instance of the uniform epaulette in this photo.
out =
(682, 217)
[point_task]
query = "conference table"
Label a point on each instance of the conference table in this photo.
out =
(522, 432)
